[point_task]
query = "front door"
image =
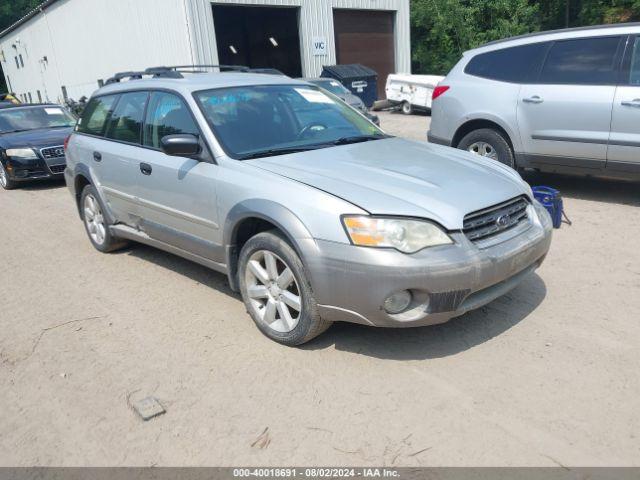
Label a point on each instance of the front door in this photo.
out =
(177, 195)
(624, 141)
(564, 118)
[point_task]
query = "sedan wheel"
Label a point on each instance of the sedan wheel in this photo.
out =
(94, 220)
(5, 181)
(273, 291)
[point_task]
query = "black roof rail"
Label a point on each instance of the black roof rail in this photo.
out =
(174, 71)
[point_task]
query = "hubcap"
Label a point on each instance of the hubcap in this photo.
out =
(273, 291)
(483, 149)
(3, 176)
(94, 219)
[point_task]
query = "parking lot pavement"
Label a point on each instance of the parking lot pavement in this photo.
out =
(547, 375)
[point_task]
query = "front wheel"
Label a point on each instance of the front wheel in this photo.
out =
(276, 290)
(407, 108)
(489, 143)
(5, 181)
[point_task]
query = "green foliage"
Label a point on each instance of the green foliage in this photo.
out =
(442, 30)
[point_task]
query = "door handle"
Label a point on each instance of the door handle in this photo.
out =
(534, 99)
(146, 169)
(97, 156)
(632, 103)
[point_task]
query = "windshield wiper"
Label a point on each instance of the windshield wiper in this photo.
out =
(272, 152)
(358, 139)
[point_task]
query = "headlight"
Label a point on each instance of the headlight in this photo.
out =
(405, 235)
(21, 153)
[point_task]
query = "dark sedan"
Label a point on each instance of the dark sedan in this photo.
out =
(32, 142)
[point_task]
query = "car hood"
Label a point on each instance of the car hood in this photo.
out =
(405, 178)
(43, 137)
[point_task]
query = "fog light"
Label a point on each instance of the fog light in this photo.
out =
(398, 302)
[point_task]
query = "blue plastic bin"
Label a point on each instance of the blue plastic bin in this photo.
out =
(551, 200)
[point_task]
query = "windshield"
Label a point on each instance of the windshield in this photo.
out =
(333, 86)
(32, 118)
(278, 119)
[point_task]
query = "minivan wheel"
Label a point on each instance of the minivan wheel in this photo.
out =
(5, 181)
(95, 222)
(489, 143)
(407, 108)
(276, 290)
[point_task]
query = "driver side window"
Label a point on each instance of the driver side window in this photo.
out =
(167, 115)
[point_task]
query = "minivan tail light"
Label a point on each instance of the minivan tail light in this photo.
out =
(66, 142)
(439, 90)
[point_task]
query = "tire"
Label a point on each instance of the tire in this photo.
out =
(273, 308)
(479, 141)
(5, 181)
(95, 223)
(407, 108)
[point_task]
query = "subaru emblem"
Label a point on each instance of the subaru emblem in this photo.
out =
(503, 220)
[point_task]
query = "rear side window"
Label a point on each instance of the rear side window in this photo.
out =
(514, 64)
(586, 61)
(125, 124)
(634, 75)
(96, 113)
(167, 114)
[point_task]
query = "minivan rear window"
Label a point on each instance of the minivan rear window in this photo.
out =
(513, 64)
(95, 115)
(585, 61)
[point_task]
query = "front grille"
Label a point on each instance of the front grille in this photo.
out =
(57, 168)
(494, 220)
(52, 152)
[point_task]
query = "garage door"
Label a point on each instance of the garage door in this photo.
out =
(366, 37)
(258, 37)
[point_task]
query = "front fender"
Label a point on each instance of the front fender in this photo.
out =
(277, 214)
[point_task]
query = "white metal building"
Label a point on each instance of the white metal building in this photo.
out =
(67, 48)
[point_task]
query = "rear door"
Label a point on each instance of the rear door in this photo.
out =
(112, 175)
(177, 195)
(624, 141)
(564, 117)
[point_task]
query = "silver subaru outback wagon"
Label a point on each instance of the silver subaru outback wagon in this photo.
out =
(314, 213)
(564, 101)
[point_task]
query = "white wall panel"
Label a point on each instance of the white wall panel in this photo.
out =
(87, 40)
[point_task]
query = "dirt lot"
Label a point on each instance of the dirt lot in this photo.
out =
(547, 375)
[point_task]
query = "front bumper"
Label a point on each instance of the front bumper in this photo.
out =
(431, 138)
(351, 283)
(21, 170)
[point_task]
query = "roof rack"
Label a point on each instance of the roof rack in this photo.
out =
(175, 71)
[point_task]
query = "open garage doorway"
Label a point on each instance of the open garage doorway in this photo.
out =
(258, 37)
(366, 37)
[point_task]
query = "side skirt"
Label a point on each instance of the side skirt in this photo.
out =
(128, 233)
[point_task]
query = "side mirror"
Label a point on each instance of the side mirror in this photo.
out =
(183, 145)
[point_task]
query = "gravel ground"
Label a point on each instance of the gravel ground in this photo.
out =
(547, 375)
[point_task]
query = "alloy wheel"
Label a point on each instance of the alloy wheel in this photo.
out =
(273, 291)
(94, 219)
(3, 176)
(483, 149)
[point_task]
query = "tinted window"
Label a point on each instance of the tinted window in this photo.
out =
(95, 115)
(167, 115)
(634, 77)
(588, 61)
(126, 121)
(515, 64)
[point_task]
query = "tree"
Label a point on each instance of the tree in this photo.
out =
(443, 29)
